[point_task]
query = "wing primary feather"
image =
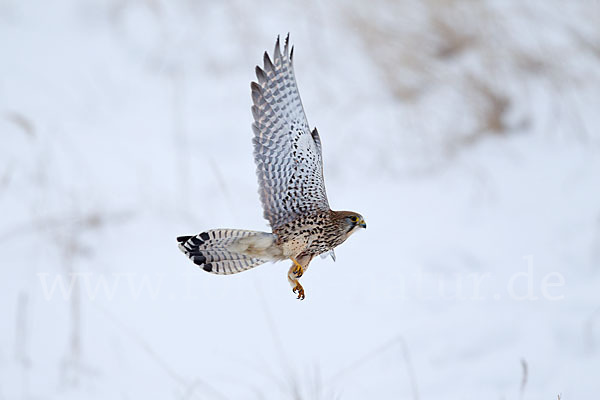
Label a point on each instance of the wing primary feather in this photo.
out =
(287, 42)
(277, 51)
(256, 92)
(268, 65)
(255, 87)
(292, 54)
(260, 74)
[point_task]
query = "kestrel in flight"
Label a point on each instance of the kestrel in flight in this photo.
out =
(289, 166)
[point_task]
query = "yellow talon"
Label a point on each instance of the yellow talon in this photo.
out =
(298, 271)
(298, 288)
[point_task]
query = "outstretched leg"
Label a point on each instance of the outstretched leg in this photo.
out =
(293, 279)
(297, 269)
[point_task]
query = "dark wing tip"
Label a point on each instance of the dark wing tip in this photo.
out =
(255, 87)
(255, 92)
(286, 46)
(260, 74)
(314, 133)
(268, 65)
(277, 50)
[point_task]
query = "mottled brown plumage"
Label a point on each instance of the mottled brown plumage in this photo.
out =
(289, 167)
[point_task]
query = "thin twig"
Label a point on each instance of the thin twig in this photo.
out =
(523, 379)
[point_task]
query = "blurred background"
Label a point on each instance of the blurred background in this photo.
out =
(467, 134)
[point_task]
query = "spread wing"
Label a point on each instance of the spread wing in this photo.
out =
(287, 153)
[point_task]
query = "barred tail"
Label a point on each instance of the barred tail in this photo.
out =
(228, 251)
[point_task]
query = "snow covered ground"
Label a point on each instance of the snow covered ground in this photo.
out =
(467, 134)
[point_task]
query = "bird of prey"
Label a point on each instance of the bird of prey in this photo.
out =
(289, 166)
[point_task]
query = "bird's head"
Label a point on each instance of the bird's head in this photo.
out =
(351, 221)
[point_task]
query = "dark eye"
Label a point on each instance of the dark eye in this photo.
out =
(354, 218)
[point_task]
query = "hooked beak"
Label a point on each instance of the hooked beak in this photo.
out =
(362, 224)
